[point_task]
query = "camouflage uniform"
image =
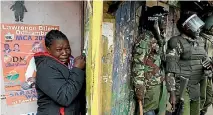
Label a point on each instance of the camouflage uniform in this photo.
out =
(146, 70)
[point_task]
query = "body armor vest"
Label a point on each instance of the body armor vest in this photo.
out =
(190, 63)
(191, 58)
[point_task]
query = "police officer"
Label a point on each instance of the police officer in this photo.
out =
(186, 57)
(147, 54)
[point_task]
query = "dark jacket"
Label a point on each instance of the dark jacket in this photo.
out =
(57, 86)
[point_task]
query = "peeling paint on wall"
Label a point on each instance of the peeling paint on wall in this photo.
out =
(122, 93)
(88, 53)
(107, 64)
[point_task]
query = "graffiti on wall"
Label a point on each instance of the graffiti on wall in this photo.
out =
(19, 9)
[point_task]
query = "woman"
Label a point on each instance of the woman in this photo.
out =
(31, 68)
(57, 86)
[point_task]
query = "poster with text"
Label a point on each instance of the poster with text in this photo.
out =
(19, 42)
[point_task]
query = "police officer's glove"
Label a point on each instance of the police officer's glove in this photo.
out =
(139, 91)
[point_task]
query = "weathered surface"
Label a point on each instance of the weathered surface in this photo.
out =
(87, 46)
(122, 93)
(107, 64)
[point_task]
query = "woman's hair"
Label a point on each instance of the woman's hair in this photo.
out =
(54, 35)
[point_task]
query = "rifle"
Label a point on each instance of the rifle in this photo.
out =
(183, 85)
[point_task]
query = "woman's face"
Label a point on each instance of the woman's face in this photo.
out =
(60, 49)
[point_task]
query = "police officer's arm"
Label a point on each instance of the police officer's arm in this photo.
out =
(137, 71)
(172, 58)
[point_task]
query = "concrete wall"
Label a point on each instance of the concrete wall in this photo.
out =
(65, 14)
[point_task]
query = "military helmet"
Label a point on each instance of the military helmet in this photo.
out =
(208, 23)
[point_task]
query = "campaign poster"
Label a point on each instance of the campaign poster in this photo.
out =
(19, 42)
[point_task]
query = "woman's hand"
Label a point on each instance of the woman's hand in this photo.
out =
(79, 62)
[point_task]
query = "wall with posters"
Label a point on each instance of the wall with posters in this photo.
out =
(23, 26)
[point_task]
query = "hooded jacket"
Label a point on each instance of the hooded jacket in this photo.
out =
(57, 86)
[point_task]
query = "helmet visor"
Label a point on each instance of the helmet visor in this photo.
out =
(193, 23)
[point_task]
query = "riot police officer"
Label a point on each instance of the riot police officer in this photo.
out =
(186, 58)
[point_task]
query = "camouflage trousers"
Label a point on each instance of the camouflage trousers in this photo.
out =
(155, 99)
(206, 94)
